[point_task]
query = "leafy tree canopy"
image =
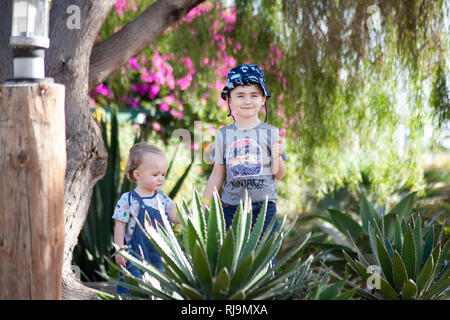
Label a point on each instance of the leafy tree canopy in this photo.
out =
(354, 83)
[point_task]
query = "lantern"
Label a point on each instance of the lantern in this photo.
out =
(29, 39)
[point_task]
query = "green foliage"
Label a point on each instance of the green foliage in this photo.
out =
(413, 260)
(214, 264)
(348, 93)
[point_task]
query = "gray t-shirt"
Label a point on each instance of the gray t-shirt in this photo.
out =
(247, 156)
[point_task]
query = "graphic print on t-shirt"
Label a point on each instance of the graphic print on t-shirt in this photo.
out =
(244, 157)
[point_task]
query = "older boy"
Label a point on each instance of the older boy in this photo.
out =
(248, 154)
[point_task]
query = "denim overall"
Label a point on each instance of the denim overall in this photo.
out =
(139, 240)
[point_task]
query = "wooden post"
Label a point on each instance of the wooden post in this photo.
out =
(32, 169)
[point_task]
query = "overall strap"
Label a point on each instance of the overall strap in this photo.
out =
(137, 197)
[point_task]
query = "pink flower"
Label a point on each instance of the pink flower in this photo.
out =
(153, 91)
(229, 16)
(180, 105)
(185, 82)
(156, 126)
(134, 103)
(280, 97)
(157, 61)
(159, 77)
(122, 6)
(104, 91)
(282, 132)
(169, 99)
(133, 63)
(164, 107)
(146, 76)
(140, 89)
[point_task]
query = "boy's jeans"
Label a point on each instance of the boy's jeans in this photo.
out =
(230, 210)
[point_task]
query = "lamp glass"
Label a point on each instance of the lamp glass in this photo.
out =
(30, 23)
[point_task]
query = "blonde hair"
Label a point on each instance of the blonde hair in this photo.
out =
(137, 152)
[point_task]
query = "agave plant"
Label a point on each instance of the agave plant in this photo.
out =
(412, 265)
(213, 263)
(345, 230)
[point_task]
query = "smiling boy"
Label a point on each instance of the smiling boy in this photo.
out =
(248, 154)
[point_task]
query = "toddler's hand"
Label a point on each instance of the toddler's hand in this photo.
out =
(121, 261)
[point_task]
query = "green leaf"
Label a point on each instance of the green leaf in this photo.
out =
(238, 226)
(439, 286)
(399, 269)
(409, 253)
(192, 236)
(404, 207)
(385, 261)
(373, 243)
(178, 261)
(242, 273)
(424, 278)
(264, 256)
(367, 213)
(389, 249)
(387, 290)
(198, 220)
(202, 268)
(347, 295)
(418, 244)
(428, 246)
(214, 233)
(221, 284)
(345, 223)
(226, 252)
(238, 296)
(331, 292)
(409, 292)
(256, 232)
(191, 293)
(385, 287)
(441, 260)
(389, 226)
(398, 237)
(358, 267)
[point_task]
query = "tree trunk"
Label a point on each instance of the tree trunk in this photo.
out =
(68, 61)
(32, 149)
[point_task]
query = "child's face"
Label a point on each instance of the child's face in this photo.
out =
(247, 101)
(151, 173)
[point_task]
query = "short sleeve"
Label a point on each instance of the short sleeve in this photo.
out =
(217, 149)
(122, 209)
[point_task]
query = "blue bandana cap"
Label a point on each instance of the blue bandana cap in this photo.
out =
(244, 75)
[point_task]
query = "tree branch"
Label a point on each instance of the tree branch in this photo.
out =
(111, 54)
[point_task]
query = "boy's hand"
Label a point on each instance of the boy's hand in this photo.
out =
(278, 147)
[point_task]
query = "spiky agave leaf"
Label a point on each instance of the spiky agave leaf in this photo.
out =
(218, 264)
